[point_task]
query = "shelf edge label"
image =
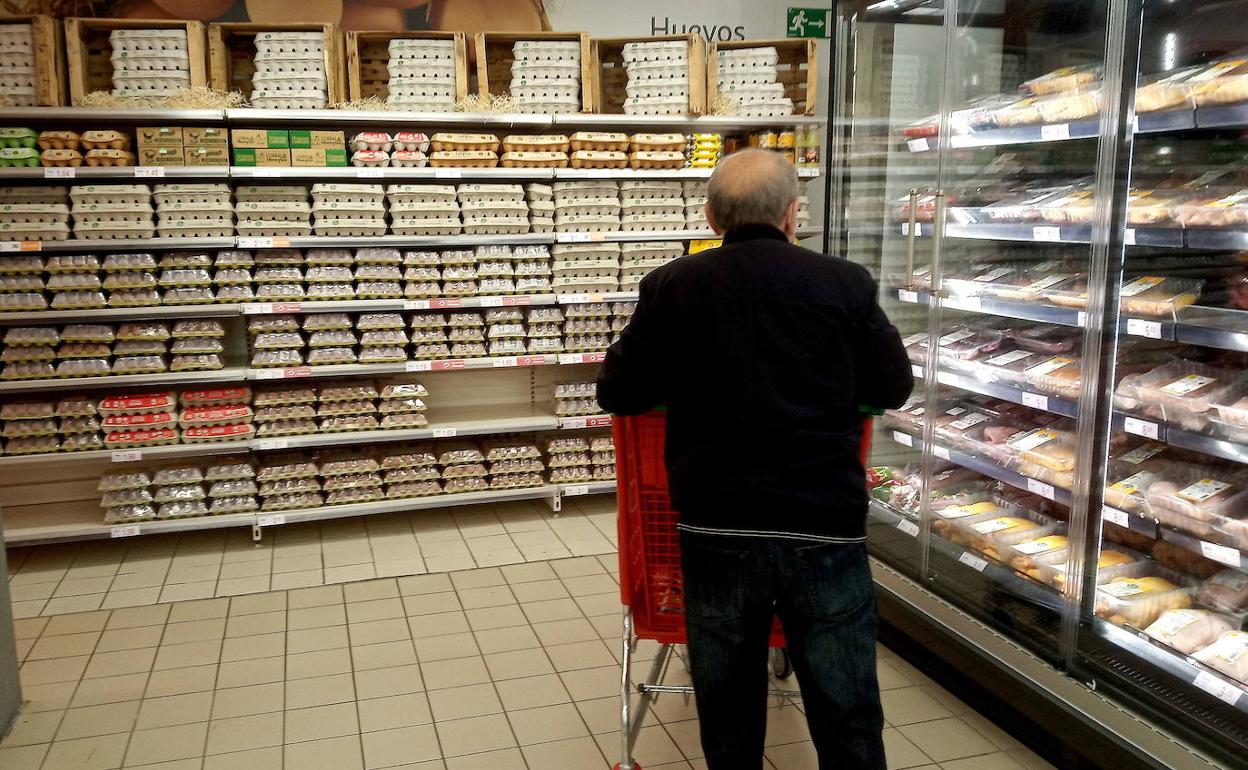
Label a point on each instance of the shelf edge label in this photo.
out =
(126, 455)
(909, 527)
(1222, 690)
(576, 490)
(1221, 553)
(1040, 488)
(973, 561)
(128, 530)
(271, 520)
(1140, 427)
(903, 438)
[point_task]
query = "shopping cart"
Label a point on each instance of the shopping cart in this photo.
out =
(650, 579)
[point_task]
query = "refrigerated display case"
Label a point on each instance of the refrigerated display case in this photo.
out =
(1051, 196)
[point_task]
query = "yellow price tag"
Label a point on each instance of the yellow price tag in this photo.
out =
(696, 246)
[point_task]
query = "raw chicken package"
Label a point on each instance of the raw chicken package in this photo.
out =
(1188, 630)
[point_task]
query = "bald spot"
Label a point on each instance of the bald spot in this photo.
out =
(752, 187)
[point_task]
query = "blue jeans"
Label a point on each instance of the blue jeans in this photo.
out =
(825, 599)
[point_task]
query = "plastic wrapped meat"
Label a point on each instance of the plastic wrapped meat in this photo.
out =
(1229, 654)
(1045, 339)
(1181, 393)
(1194, 499)
(1155, 295)
(1139, 601)
(1226, 591)
(1188, 630)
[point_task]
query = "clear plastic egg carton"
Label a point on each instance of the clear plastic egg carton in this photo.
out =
(33, 213)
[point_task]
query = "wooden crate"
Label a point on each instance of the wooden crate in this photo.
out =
(369, 52)
(798, 70)
(494, 59)
(49, 63)
(610, 75)
(232, 52)
(89, 51)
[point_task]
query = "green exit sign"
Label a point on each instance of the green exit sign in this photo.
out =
(808, 22)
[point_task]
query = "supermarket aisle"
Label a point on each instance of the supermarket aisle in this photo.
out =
(477, 669)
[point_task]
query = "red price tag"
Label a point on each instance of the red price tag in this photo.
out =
(439, 366)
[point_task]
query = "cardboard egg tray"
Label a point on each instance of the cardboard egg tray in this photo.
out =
(459, 142)
(351, 226)
(771, 109)
(431, 226)
(173, 39)
(599, 159)
(205, 195)
(173, 213)
(104, 140)
(413, 105)
(463, 159)
(33, 213)
(291, 43)
(746, 58)
(273, 62)
(273, 227)
(657, 89)
(549, 90)
(277, 194)
(339, 193)
(599, 140)
(656, 105)
(547, 50)
(737, 79)
(50, 194)
(416, 91)
(586, 223)
(694, 187)
(669, 207)
(585, 268)
(198, 228)
(657, 71)
(420, 192)
(555, 143)
(754, 93)
(273, 211)
(18, 78)
(19, 232)
(107, 158)
(538, 191)
(496, 225)
(655, 222)
(544, 208)
(572, 191)
(655, 50)
(588, 205)
(583, 285)
(105, 230)
(656, 160)
(568, 252)
(424, 210)
(111, 212)
(480, 192)
(540, 69)
(266, 101)
(485, 208)
(175, 63)
(646, 189)
(416, 49)
(537, 106)
(534, 160)
(541, 224)
(58, 158)
(110, 194)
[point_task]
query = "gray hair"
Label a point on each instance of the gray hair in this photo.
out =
(752, 187)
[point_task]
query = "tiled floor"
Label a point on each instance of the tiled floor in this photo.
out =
(201, 565)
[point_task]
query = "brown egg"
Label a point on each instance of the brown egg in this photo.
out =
(289, 11)
(472, 16)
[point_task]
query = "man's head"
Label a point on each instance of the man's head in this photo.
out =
(753, 187)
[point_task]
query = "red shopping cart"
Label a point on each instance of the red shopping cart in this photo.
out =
(650, 578)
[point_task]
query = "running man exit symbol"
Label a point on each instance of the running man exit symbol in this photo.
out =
(807, 22)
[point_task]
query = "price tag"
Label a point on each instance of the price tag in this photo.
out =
(370, 173)
(918, 145)
(940, 452)
(149, 172)
(1223, 691)
(603, 421)
(270, 443)
(1128, 236)
(505, 362)
(257, 308)
(1141, 328)
(491, 302)
(1221, 553)
(271, 520)
(416, 304)
(444, 432)
(447, 173)
(1055, 132)
(1036, 401)
(903, 438)
(963, 303)
(1140, 427)
(267, 374)
(572, 237)
(904, 295)
(909, 527)
(126, 455)
(59, 172)
(454, 363)
(1040, 488)
(417, 366)
(21, 245)
(1115, 516)
(1046, 234)
(517, 301)
(265, 172)
(295, 372)
(576, 490)
(1081, 320)
(573, 423)
(905, 228)
(973, 561)
(129, 530)
(916, 370)
(255, 242)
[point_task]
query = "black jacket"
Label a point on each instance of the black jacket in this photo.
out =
(763, 353)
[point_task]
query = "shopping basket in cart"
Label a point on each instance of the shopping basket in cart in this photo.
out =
(650, 578)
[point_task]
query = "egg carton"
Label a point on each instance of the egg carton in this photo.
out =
(542, 107)
(410, 197)
(645, 189)
(53, 194)
(536, 191)
(110, 195)
(419, 91)
(207, 199)
(487, 209)
(290, 44)
(114, 230)
(424, 210)
(754, 92)
(267, 62)
(480, 192)
(33, 213)
(409, 159)
(414, 227)
(640, 72)
(584, 285)
(197, 228)
(542, 208)
(559, 50)
(277, 194)
(463, 159)
(351, 227)
(598, 159)
(657, 89)
(571, 252)
(267, 102)
(695, 188)
(641, 267)
(652, 222)
(582, 223)
(17, 37)
(418, 49)
(24, 78)
(178, 212)
(147, 40)
(340, 193)
(656, 105)
(421, 105)
(535, 69)
(163, 68)
(113, 215)
(587, 205)
(694, 206)
(745, 58)
(150, 61)
(654, 50)
(596, 187)
(656, 160)
(58, 231)
(496, 225)
(273, 228)
(289, 83)
(772, 109)
(586, 267)
(285, 211)
(149, 86)
(349, 208)
(736, 79)
(653, 207)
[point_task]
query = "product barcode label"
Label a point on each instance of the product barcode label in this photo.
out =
(1140, 328)
(21, 246)
(1221, 553)
(491, 302)
(1189, 384)
(149, 172)
(1046, 234)
(576, 490)
(60, 172)
(572, 423)
(903, 438)
(1040, 488)
(1050, 366)
(126, 455)
(1013, 357)
(416, 304)
(271, 520)
(1036, 401)
(1223, 691)
(444, 432)
(909, 527)
(1140, 285)
(904, 295)
(1140, 427)
(128, 530)
(973, 561)
(994, 525)
(1043, 545)
(505, 362)
(917, 145)
(447, 173)
(1055, 132)
(916, 370)
(1115, 516)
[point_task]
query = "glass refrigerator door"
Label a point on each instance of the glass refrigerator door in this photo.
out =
(991, 303)
(1165, 628)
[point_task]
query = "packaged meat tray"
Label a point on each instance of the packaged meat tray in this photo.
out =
(1059, 375)
(1197, 499)
(1188, 630)
(1047, 454)
(1157, 295)
(1062, 80)
(1220, 83)
(1226, 591)
(1229, 655)
(1141, 596)
(1180, 393)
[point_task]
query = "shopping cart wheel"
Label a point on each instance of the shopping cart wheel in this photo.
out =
(781, 664)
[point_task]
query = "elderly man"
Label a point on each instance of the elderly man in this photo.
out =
(764, 353)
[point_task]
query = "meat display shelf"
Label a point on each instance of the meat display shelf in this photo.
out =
(987, 468)
(1182, 667)
(1146, 123)
(1226, 116)
(1042, 401)
(1150, 527)
(1168, 237)
(68, 175)
(228, 374)
(1024, 311)
(1179, 438)
(1005, 578)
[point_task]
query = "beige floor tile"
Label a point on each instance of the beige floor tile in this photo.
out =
(547, 723)
(65, 646)
(792, 756)
(314, 639)
(256, 624)
(316, 617)
(384, 655)
(577, 567)
(241, 673)
(193, 631)
(252, 647)
(376, 609)
(438, 624)
(477, 578)
(687, 738)
(178, 681)
(474, 735)
(581, 753)
(273, 601)
(527, 573)
(320, 691)
(181, 592)
(243, 585)
(507, 639)
(138, 617)
(118, 663)
(468, 701)
(379, 631)
(454, 672)
(532, 692)
(551, 609)
(269, 758)
(302, 665)
(417, 585)
(320, 596)
(342, 753)
(445, 647)
(945, 739)
(90, 721)
(246, 701)
(1029, 760)
(654, 746)
(580, 655)
(332, 721)
(907, 705)
(495, 617)
(600, 604)
(99, 753)
(57, 696)
(492, 596)
(29, 628)
(116, 689)
(431, 603)
(297, 564)
(518, 664)
(174, 710)
(565, 631)
(203, 609)
(502, 759)
(300, 579)
(193, 573)
(370, 590)
(786, 725)
(985, 727)
(50, 671)
(384, 682)
(592, 682)
(190, 654)
(350, 573)
(998, 761)
(400, 567)
(244, 569)
(23, 757)
(131, 597)
(129, 638)
(163, 744)
(889, 677)
(394, 711)
(73, 604)
(540, 590)
(390, 748)
(33, 728)
(241, 733)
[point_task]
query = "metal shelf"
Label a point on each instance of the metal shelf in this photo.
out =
(125, 455)
(1025, 311)
(119, 173)
(155, 116)
(1161, 237)
(385, 118)
(988, 468)
(659, 235)
(609, 296)
(327, 512)
(1041, 401)
(581, 423)
(228, 374)
(1225, 116)
(327, 241)
(1146, 123)
(119, 244)
(489, 421)
(388, 173)
(588, 488)
(695, 123)
(1182, 439)
(121, 314)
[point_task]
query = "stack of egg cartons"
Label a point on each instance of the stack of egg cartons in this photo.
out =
(21, 283)
(495, 270)
(587, 207)
(621, 314)
(568, 458)
(351, 478)
(638, 259)
(112, 211)
(651, 206)
(493, 209)
(329, 274)
(232, 276)
(545, 329)
(513, 462)
(505, 331)
(149, 62)
(418, 209)
(422, 75)
(658, 77)
(459, 273)
(349, 209)
(421, 275)
(602, 457)
(17, 63)
(290, 71)
(586, 268)
(546, 76)
(541, 200)
(695, 204)
(532, 266)
(130, 280)
(272, 211)
(378, 273)
(749, 78)
(34, 213)
(74, 282)
(587, 328)
(194, 211)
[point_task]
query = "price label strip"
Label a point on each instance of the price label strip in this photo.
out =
(973, 561)
(909, 527)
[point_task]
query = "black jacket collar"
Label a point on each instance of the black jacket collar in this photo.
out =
(754, 233)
